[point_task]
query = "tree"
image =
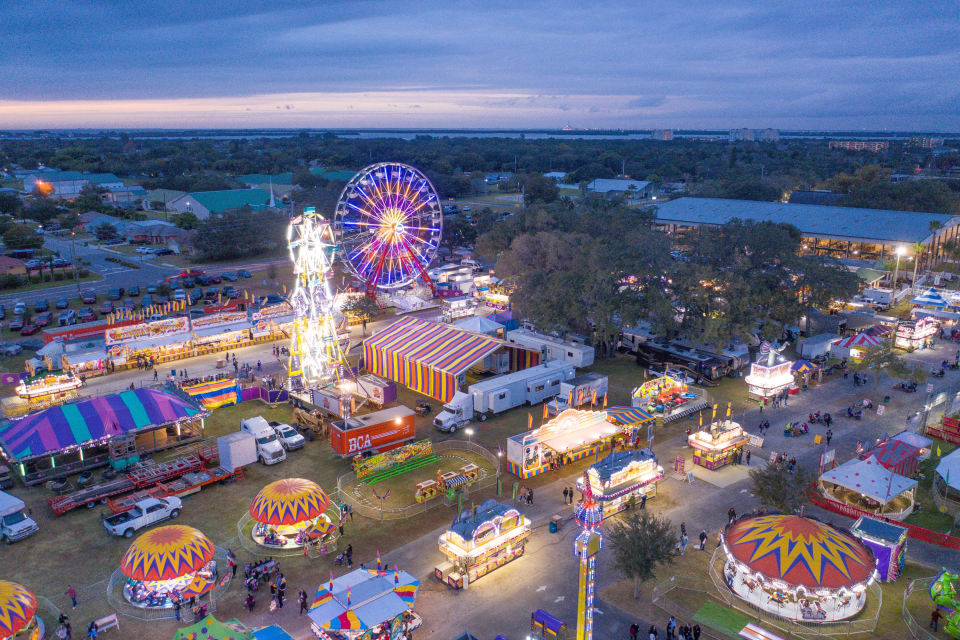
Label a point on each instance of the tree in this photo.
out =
(105, 232)
(884, 359)
(361, 307)
(641, 543)
(22, 236)
(537, 188)
(69, 220)
(9, 204)
(458, 232)
(42, 210)
(779, 490)
(186, 220)
(239, 233)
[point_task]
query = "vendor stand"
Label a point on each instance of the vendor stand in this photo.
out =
(622, 478)
(770, 375)
(797, 568)
(719, 444)
(914, 334)
(372, 604)
(290, 514)
(168, 564)
(481, 541)
(18, 614)
(570, 436)
(37, 392)
(888, 543)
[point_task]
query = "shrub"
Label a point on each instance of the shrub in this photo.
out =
(83, 273)
(58, 276)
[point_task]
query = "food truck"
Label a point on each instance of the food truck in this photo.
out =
(378, 431)
(912, 334)
(480, 541)
(718, 444)
(570, 436)
(622, 476)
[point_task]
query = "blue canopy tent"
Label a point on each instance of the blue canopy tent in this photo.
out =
(930, 298)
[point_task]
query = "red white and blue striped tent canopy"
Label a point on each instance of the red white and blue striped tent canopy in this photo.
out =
(428, 356)
(627, 415)
(861, 340)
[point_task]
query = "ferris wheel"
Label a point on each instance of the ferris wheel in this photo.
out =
(387, 224)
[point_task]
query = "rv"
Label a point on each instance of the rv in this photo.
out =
(551, 348)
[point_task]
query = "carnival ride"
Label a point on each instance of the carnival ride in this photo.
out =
(944, 592)
(388, 223)
(166, 565)
(316, 355)
(18, 613)
(290, 513)
(589, 514)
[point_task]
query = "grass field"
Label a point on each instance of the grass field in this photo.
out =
(93, 277)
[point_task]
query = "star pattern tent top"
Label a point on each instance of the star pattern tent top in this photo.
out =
(166, 553)
(17, 608)
(800, 551)
(289, 501)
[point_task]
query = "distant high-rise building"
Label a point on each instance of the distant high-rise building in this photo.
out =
(925, 143)
(754, 135)
(662, 134)
(877, 146)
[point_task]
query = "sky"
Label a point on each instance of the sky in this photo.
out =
(876, 64)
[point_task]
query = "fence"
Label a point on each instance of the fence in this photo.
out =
(918, 631)
(402, 513)
(941, 539)
(826, 629)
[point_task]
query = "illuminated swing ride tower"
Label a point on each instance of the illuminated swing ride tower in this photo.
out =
(316, 357)
(588, 513)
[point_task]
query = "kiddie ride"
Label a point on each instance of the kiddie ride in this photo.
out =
(451, 480)
(943, 591)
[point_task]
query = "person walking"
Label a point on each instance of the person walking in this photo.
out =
(671, 627)
(565, 495)
(683, 528)
(250, 602)
(683, 544)
(696, 632)
(935, 619)
(570, 492)
(703, 539)
(634, 631)
(731, 515)
(349, 555)
(302, 598)
(176, 609)
(156, 375)
(73, 595)
(652, 633)
(829, 436)
(643, 502)
(748, 457)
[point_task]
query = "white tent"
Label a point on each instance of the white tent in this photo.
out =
(949, 469)
(479, 324)
(870, 478)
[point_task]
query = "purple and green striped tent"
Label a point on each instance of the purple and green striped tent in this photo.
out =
(57, 428)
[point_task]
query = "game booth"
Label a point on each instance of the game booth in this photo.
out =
(797, 568)
(887, 541)
(869, 486)
(168, 564)
(18, 614)
(622, 476)
(719, 444)
(571, 435)
(944, 593)
(854, 347)
(667, 397)
(770, 375)
(71, 438)
(366, 604)
(290, 514)
(480, 541)
(914, 334)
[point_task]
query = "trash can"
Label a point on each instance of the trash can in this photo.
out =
(553, 526)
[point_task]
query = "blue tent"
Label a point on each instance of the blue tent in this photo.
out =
(930, 298)
(506, 319)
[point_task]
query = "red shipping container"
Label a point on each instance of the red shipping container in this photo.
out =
(377, 432)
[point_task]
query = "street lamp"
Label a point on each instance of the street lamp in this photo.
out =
(900, 251)
(469, 433)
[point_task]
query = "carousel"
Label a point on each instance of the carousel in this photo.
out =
(797, 568)
(290, 514)
(18, 614)
(168, 564)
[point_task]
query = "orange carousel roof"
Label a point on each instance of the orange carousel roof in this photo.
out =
(17, 608)
(166, 553)
(289, 501)
(800, 551)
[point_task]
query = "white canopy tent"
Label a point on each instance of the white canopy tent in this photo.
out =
(869, 478)
(949, 469)
(479, 324)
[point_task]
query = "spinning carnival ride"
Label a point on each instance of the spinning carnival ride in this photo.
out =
(315, 353)
(388, 223)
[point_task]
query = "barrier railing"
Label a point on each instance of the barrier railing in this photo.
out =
(917, 630)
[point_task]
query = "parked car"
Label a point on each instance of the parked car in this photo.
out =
(211, 293)
(179, 294)
(231, 293)
(19, 308)
(43, 319)
(33, 264)
(12, 349)
(29, 329)
(16, 323)
(196, 313)
(195, 296)
(33, 344)
(59, 263)
(273, 298)
(129, 303)
(87, 314)
(62, 303)
(143, 514)
(115, 294)
(106, 307)
(289, 437)
(146, 301)
(134, 291)
(164, 251)
(189, 282)
(162, 299)
(89, 297)
(41, 305)
(152, 288)
(243, 273)
(145, 250)
(228, 276)
(214, 279)
(67, 317)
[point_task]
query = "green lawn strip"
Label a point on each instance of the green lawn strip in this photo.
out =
(93, 277)
(401, 469)
(721, 618)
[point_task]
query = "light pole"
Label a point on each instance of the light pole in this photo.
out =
(900, 251)
(469, 432)
(73, 250)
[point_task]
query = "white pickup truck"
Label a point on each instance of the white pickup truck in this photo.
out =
(142, 514)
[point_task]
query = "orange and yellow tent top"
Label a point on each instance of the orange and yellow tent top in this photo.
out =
(17, 608)
(166, 553)
(289, 501)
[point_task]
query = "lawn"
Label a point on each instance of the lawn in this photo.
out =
(93, 277)
(927, 514)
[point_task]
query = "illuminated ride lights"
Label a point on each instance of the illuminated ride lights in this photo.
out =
(589, 514)
(388, 224)
(316, 356)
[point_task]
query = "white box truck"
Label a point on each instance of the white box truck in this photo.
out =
(551, 348)
(237, 450)
(269, 449)
(500, 393)
(14, 523)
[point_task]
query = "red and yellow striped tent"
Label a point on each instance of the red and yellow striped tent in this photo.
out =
(429, 356)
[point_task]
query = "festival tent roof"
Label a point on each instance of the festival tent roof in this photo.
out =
(879, 331)
(897, 456)
(860, 340)
(428, 356)
(57, 428)
(619, 460)
(627, 415)
(273, 632)
(289, 501)
(506, 319)
(799, 551)
(915, 439)
(930, 298)
(166, 553)
(211, 629)
(17, 608)
(949, 469)
(869, 478)
(802, 366)
(362, 599)
(466, 523)
(478, 324)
